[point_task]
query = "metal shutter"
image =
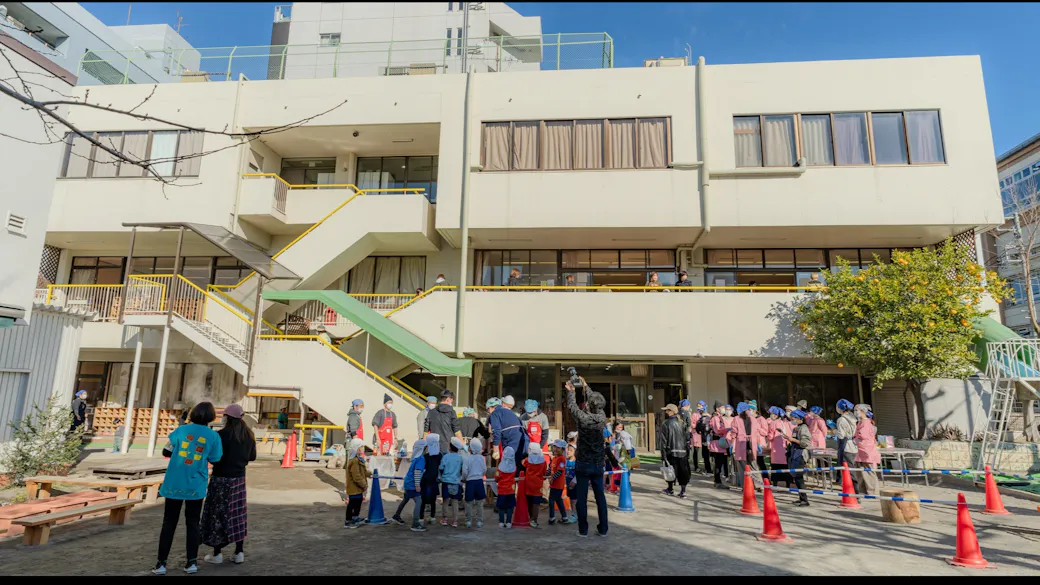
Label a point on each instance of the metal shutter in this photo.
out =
(890, 409)
(13, 386)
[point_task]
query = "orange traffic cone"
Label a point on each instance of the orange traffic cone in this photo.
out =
(750, 506)
(994, 505)
(521, 517)
(848, 502)
(968, 552)
(771, 529)
(290, 452)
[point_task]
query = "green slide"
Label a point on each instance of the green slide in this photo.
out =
(383, 329)
(993, 330)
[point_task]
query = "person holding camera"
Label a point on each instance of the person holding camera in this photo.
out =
(588, 467)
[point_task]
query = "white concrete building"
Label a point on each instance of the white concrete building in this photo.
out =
(739, 174)
(350, 39)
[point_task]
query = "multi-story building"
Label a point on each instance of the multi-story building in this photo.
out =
(347, 39)
(571, 183)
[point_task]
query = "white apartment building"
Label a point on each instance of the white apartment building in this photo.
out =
(348, 39)
(739, 174)
(75, 40)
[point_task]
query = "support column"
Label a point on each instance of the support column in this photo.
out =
(132, 395)
(460, 306)
(159, 378)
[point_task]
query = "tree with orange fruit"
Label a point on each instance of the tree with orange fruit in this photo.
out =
(909, 319)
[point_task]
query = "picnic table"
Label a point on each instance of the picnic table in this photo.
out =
(40, 486)
(900, 455)
(131, 469)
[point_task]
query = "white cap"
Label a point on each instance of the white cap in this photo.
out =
(508, 400)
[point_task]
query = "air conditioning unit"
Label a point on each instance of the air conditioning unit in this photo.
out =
(478, 5)
(665, 62)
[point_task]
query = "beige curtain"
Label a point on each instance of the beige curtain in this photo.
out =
(496, 146)
(747, 145)
(189, 145)
(78, 156)
(653, 149)
(362, 277)
(525, 146)
(778, 138)
(413, 273)
(106, 165)
(559, 145)
(135, 147)
(816, 140)
(622, 144)
(588, 144)
(388, 274)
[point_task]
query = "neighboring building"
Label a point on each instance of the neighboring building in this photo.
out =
(604, 175)
(67, 34)
(348, 39)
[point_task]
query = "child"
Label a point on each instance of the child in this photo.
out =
(117, 441)
(429, 477)
(535, 471)
(450, 476)
(473, 469)
(505, 479)
(412, 487)
(357, 482)
(557, 482)
(572, 480)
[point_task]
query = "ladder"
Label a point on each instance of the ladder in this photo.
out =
(1009, 364)
(1001, 399)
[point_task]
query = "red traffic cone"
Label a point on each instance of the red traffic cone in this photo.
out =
(290, 452)
(771, 529)
(994, 505)
(848, 502)
(750, 506)
(968, 552)
(521, 518)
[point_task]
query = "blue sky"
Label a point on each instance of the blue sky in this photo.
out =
(1004, 34)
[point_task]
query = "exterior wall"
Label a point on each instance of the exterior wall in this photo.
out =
(1014, 458)
(1017, 170)
(37, 362)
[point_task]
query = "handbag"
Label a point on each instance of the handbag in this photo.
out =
(633, 463)
(667, 471)
(723, 443)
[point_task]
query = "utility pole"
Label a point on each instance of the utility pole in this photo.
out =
(180, 21)
(465, 36)
(129, 8)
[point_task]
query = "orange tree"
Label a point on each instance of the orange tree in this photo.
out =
(910, 319)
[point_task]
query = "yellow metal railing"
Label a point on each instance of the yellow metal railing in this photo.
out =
(354, 362)
(216, 290)
(412, 390)
(324, 437)
(410, 301)
(643, 288)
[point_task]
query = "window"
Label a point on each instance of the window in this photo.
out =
(97, 270)
(851, 145)
(765, 140)
(782, 267)
(387, 275)
(308, 171)
(747, 141)
(77, 156)
(389, 172)
(99, 69)
(458, 42)
(817, 146)
(782, 389)
(105, 164)
(170, 153)
(925, 137)
(588, 267)
(889, 139)
(229, 270)
(576, 144)
(329, 39)
(447, 45)
(163, 151)
(135, 147)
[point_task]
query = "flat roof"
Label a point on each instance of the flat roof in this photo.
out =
(1019, 148)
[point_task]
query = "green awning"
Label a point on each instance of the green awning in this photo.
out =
(383, 329)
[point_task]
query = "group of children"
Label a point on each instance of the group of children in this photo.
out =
(462, 475)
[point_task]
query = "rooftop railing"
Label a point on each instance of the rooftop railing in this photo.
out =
(370, 59)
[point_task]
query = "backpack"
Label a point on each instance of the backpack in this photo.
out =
(702, 425)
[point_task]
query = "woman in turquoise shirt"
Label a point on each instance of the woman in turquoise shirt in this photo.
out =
(191, 448)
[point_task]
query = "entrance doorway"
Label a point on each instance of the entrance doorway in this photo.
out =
(626, 403)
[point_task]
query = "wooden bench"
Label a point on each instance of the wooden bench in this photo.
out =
(40, 486)
(38, 528)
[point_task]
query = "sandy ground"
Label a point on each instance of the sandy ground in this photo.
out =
(296, 519)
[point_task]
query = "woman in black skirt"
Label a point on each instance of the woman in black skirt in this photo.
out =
(224, 513)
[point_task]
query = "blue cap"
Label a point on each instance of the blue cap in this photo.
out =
(606, 432)
(701, 403)
(492, 402)
(830, 424)
(728, 406)
(357, 402)
(430, 399)
(530, 405)
(467, 411)
(684, 402)
(741, 407)
(815, 409)
(845, 404)
(797, 413)
(752, 404)
(776, 410)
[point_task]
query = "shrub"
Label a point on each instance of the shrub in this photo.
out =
(42, 443)
(942, 432)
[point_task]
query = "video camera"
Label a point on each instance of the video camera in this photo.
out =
(575, 379)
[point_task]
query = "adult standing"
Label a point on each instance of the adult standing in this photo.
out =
(674, 444)
(384, 428)
(508, 431)
(431, 403)
(718, 445)
(685, 418)
(684, 281)
(703, 432)
(443, 421)
(355, 428)
(79, 410)
(817, 428)
(746, 446)
(514, 278)
(588, 466)
(801, 441)
(283, 418)
(191, 448)
(471, 428)
(845, 431)
(224, 511)
(778, 428)
(867, 455)
(536, 423)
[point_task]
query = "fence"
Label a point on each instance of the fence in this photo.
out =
(366, 59)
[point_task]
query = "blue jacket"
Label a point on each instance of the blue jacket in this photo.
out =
(451, 468)
(508, 430)
(413, 479)
(193, 447)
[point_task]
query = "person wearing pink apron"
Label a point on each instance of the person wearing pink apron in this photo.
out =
(817, 428)
(777, 429)
(384, 426)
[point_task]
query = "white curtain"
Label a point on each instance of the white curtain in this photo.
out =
(653, 149)
(362, 277)
(925, 137)
(84, 276)
(850, 139)
(164, 146)
(368, 180)
(747, 144)
(622, 144)
(559, 145)
(779, 140)
(496, 146)
(388, 274)
(816, 140)
(588, 144)
(413, 273)
(525, 146)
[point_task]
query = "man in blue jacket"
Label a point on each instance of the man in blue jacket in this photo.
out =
(507, 431)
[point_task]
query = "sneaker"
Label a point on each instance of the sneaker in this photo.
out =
(396, 520)
(803, 504)
(191, 568)
(573, 519)
(418, 528)
(469, 524)
(160, 569)
(509, 524)
(668, 492)
(603, 534)
(356, 523)
(480, 524)
(444, 521)
(215, 559)
(582, 535)
(552, 521)
(429, 520)
(682, 495)
(533, 524)
(501, 524)
(455, 524)
(239, 558)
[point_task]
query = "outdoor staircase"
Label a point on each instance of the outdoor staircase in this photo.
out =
(216, 337)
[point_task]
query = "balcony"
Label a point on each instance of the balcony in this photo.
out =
(101, 299)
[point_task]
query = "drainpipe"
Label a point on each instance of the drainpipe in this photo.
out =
(241, 156)
(460, 305)
(702, 149)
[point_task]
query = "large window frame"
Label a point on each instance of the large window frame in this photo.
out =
(605, 143)
(750, 261)
(178, 167)
(144, 265)
(430, 185)
(827, 403)
(800, 138)
(624, 261)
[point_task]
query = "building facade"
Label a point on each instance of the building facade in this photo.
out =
(566, 184)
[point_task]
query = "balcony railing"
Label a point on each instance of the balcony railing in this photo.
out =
(100, 299)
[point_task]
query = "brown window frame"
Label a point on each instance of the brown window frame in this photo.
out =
(89, 174)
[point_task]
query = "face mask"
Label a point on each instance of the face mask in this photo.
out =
(389, 406)
(439, 281)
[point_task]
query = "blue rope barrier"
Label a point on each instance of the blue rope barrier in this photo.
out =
(863, 496)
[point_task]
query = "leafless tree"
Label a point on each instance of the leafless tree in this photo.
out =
(20, 84)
